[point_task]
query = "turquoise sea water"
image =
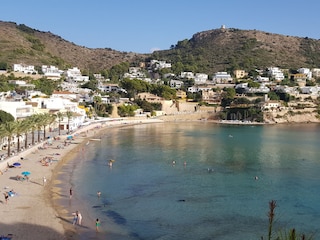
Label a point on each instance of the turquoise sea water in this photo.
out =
(213, 196)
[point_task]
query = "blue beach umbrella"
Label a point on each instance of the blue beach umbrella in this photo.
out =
(16, 164)
(26, 173)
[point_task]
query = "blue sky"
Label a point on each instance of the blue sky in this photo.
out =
(142, 26)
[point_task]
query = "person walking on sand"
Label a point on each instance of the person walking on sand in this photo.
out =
(70, 192)
(75, 218)
(79, 218)
(6, 197)
(44, 181)
(97, 225)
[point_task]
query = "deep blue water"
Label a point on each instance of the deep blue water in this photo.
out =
(145, 196)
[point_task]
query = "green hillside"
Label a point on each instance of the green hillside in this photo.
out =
(228, 49)
(207, 51)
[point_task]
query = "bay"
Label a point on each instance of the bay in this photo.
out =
(220, 186)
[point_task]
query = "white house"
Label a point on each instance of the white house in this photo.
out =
(18, 110)
(200, 78)
(17, 82)
(73, 87)
(262, 79)
(315, 72)
(74, 75)
(105, 99)
(222, 77)
(242, 85)
(176, 84)
(271, 105)
(156, 64)
(24, 68)
(261, 89)
(135, 72)
(195, 89)
(51, 72)
(276, 73)
(109, 87)
(57, 104)
(306, 71)
(188, 75)
(313, 90)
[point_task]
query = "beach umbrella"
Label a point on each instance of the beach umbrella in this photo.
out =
(16, 164)
(26, 173)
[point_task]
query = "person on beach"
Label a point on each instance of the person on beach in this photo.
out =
(75, 218)
(6, 197)
(12, 193)
(44, 181)
(98, 194)
(70, 192)
(110, 163)
(97, 225)
(79, 218)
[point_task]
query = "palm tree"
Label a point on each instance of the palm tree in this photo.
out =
(69, 115)
(9, 130)
(45, 121)
(39, 119)
(2, 132)
(21, 126)
(27, 122)
(97, 102)
(52, 118)
(32, 120)
(60, 118)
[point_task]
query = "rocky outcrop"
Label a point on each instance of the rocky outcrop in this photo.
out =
(292, 117)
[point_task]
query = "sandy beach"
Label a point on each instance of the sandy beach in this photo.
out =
(30, 213)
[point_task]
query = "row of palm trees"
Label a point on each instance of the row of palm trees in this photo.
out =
(31, 124)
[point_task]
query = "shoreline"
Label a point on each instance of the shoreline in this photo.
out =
(65, 206)
(33, 212)
(60, 197)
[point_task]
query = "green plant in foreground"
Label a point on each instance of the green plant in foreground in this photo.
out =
(272, 207)
(282, 235)
(291, 235)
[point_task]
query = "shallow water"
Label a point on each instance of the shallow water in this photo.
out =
(213, 196)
